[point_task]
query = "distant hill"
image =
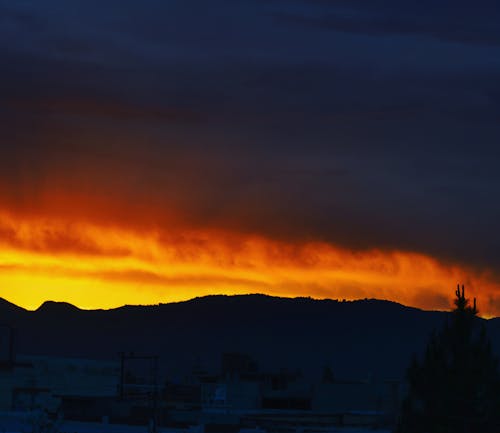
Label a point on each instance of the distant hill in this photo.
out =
(357, 339)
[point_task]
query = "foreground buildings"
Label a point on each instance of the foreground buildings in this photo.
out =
(43, 393)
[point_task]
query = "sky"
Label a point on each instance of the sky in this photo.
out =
(160, 150)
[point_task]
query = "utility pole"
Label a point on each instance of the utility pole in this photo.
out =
(148, 390)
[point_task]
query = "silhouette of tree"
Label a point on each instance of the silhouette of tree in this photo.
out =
(455, 388)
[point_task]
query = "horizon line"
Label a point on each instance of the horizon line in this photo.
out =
(223, 295)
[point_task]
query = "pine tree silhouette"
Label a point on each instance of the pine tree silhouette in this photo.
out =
(456, 386)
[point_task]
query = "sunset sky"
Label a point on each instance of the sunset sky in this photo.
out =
(154, 151)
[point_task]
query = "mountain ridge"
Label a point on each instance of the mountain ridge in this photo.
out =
(354, 337)
(51, 304)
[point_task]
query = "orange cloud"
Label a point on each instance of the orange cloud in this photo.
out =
(97, 266)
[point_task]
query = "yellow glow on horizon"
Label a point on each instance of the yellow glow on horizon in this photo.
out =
(95, 266)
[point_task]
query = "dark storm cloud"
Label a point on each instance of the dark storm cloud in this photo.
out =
(363, 123)
(117, 110)
(457, 21)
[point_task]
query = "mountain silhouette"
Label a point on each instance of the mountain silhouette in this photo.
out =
(357, 339)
